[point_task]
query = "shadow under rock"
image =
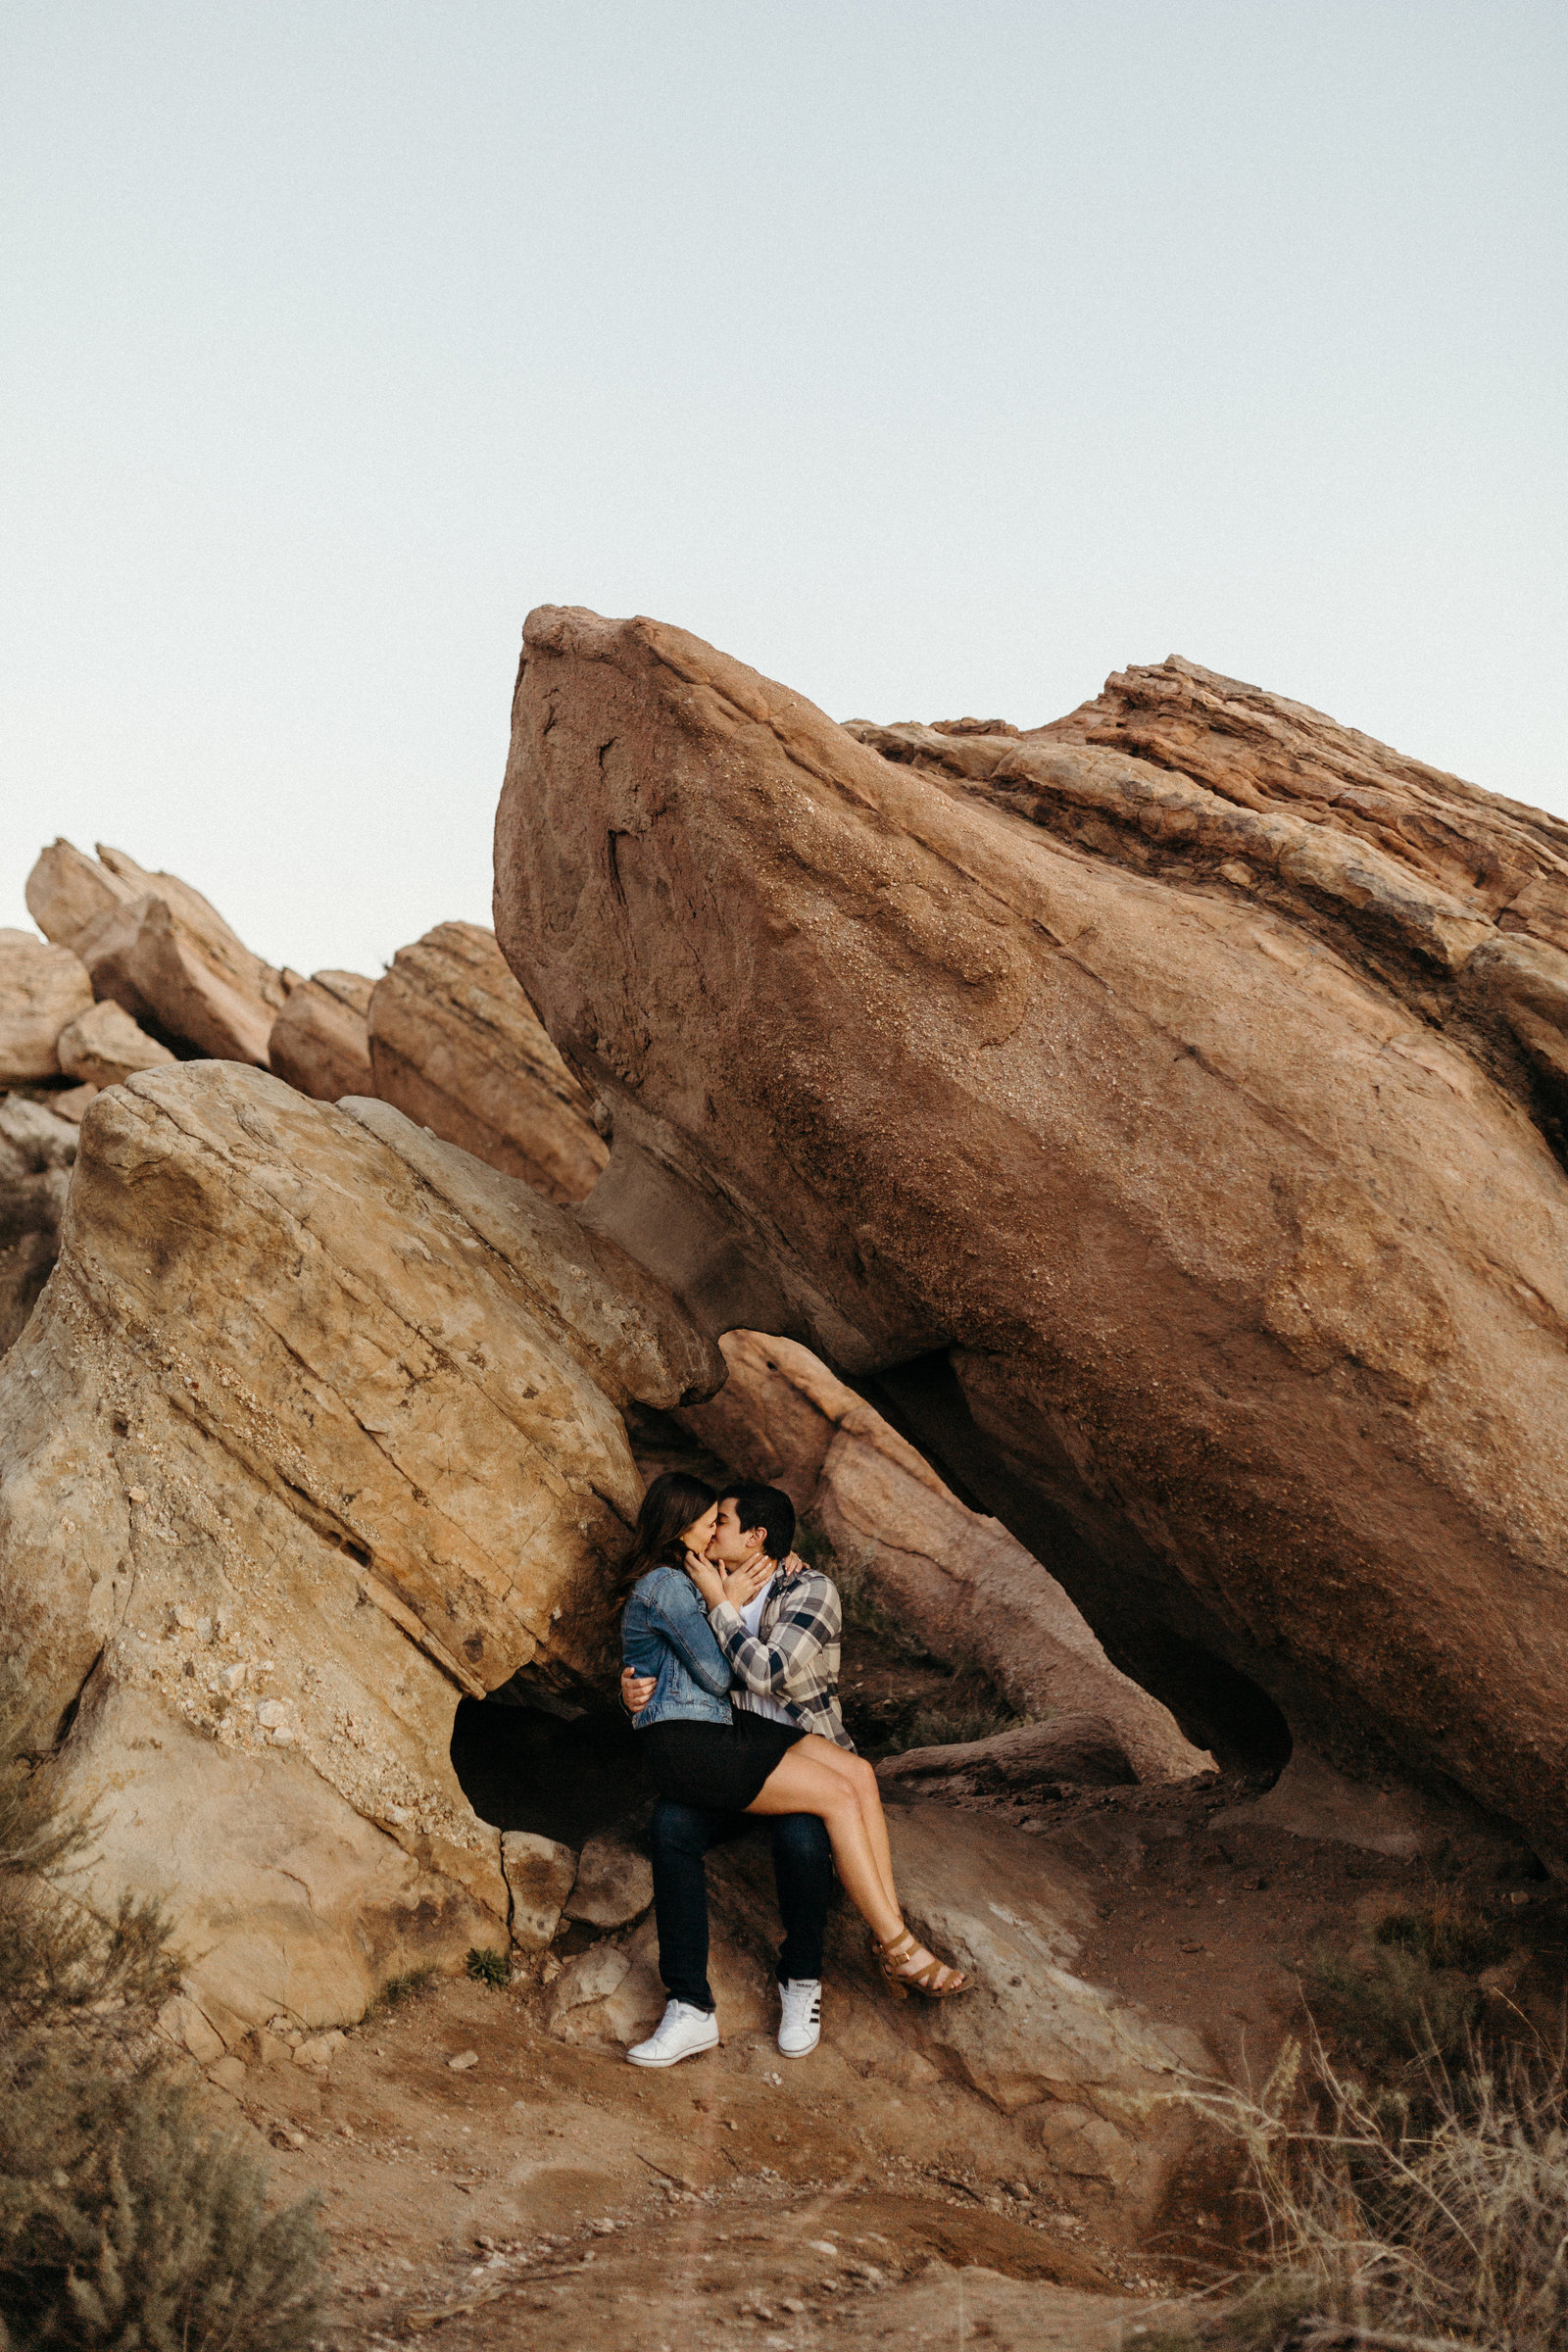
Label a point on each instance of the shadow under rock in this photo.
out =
(521, 1769)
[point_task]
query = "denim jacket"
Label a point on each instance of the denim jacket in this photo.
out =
(664, 1631)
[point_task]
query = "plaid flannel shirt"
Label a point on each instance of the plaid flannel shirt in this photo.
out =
(794, 1655)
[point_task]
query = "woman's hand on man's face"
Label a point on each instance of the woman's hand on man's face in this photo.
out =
(742, 1584)
(708, 1580)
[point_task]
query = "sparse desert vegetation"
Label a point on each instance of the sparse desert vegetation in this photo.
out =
(126, 2219)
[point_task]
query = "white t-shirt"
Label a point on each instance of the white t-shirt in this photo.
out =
(752, 1700)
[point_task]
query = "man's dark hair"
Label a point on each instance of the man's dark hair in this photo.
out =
(767, 1508)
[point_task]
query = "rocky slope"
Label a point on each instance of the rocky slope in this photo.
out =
(1177, 1172)
(317, 1427)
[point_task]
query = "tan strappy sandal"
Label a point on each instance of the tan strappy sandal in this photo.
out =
(936, 1979)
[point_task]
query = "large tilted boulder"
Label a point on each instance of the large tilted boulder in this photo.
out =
(42, 989)
(456, 1043)
(1160, 1125)
(955, 1578)
(317, 1427)
(156, 947)
(37, 1151)
(321, 1041)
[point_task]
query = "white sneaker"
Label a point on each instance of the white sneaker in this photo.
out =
(800, 2024)
(680, 2033)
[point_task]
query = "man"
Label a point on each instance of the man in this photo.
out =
(779, 1625)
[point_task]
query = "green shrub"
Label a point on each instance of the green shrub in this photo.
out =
(1390, 2007)
(967, 1714)
(125, 2222)
(411, 1987)
(488, 1967)
(1446, 1934)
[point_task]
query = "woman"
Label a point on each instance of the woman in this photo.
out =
(702, 1753)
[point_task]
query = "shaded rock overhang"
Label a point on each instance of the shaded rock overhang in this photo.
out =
(1118, 1158)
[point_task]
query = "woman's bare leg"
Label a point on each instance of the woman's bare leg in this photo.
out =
(801, 1782)
(841, 1789)
(862, 1779)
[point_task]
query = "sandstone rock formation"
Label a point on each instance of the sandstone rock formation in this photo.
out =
(315, 1427)
(37, 1153)
(540, 1873)
(613, 1883)
(42, 989)
(1037, 1759)
(321, 1041)
(156, 948)
(1155, 1116)
(958, 1580)
(104, 1045)
(456, 1043)
(1084, 2071)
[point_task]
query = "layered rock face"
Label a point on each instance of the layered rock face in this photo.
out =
(316, 1426)
(958, 1580)
(158, 949)
(1153, 1116)
(455, 1042)
(321, 1041)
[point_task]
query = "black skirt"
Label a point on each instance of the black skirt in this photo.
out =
(719, 1766)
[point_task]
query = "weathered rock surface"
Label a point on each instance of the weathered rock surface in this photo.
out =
(957, 1579)
(1178, 1172)
(614, 1881)
(42, 989)
(291, 1453)
(156, 947)
(456, 1043)
(37, 1153)
(104, 1045)
(1084, 2070)
(1071, 1751)
(321, 1041)
(539, 1873)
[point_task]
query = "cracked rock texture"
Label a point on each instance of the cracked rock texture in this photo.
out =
(966, 1587)
(1156, 1116)
(457, 1044)
(315, 1426)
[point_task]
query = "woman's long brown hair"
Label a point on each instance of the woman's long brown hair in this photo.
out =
(671, 1504)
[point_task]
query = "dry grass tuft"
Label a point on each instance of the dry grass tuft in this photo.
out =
(1430, 2215)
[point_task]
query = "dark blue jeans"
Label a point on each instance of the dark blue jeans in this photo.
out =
(802, 1868)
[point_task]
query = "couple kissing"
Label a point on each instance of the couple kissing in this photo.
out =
(730, 1650)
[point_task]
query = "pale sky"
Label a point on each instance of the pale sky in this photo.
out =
(932, 358)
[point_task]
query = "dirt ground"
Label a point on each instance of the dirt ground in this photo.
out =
(546, 2195)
